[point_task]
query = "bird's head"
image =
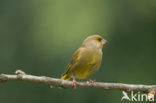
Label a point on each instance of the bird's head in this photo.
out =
(94, 42)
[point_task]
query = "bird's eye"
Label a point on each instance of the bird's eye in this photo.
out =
(99, 39)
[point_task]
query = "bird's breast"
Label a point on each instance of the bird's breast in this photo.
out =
(89, 62)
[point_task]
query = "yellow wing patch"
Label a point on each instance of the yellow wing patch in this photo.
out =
(75, 58)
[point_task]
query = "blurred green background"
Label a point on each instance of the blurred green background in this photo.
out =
(40, 36)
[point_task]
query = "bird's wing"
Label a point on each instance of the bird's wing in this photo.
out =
(74, 60)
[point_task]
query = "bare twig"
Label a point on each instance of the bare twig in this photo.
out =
(21, 76)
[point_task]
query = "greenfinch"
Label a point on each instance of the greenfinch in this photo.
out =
(86, 60)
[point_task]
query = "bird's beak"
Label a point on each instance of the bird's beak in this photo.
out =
(104, 41)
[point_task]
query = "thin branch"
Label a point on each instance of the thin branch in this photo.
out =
(21, 76)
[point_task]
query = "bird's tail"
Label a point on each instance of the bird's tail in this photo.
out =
(66, 77)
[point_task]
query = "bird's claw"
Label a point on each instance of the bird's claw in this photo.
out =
(91, 81)
(74, 83)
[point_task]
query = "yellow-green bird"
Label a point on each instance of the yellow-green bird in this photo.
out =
(86, 60)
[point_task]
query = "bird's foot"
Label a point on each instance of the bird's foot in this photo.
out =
(74, 83)
(91, 81)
